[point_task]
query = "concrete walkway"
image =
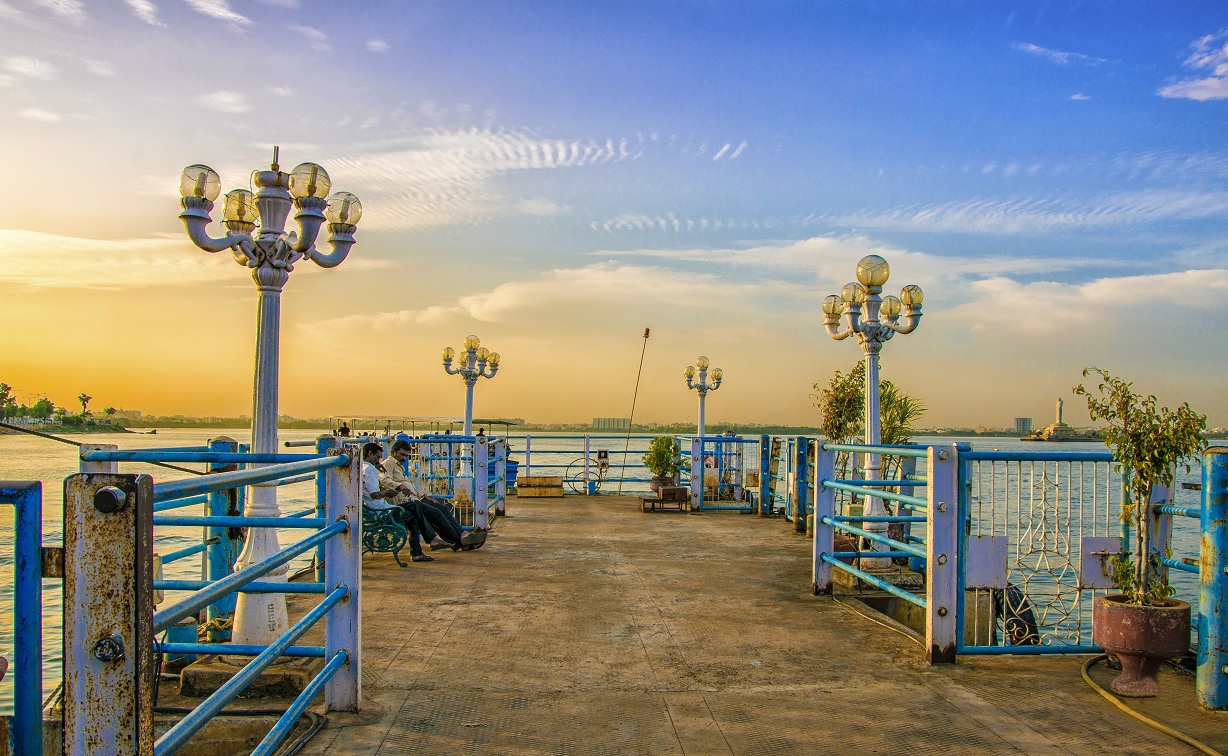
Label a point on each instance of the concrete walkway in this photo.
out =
(587, 627)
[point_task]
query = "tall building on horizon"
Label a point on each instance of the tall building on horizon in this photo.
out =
(611, 423)
(1023, 425)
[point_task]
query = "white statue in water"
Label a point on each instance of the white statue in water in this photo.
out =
(1059, 409)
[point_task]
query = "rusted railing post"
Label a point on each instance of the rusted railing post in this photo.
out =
(223, 544)
(108, 608)
(942, 544)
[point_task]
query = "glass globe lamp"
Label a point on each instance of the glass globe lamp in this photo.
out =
(873, 270)
(310, 180)
(199, 181)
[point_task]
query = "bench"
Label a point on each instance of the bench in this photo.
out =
(667, 496)
(381, 533)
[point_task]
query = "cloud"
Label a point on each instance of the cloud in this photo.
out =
(65, 262)
(51, 261)
(316, 39)
(1210, 55)
(69, 10)
(442, 177)
(1030, 215)
(30, 68)
(99, 67)
(1057, 56)
(218, 9)
(226, 102)
(11, 13)
(145, 10)
(1001, 306)
(377, 45)
(1079, 97)
(46, 116)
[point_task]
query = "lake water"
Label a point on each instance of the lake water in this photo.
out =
(29, 458)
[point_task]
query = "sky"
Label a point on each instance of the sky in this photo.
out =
(554, 177)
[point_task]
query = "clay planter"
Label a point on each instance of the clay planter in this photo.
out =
(1142, 637)
(660, 480)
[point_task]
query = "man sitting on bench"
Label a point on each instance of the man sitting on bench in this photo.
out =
(376, 498)
(438, 518)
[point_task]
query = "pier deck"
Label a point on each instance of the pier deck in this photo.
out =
(586, 626)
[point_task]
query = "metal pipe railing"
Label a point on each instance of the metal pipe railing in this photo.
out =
(178, 489)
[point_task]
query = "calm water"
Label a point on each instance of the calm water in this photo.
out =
(30, 458)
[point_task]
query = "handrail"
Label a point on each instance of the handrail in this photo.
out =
(158, 455)
(177, 489)
(893, 451)
(875, 581)
(1045, 456)
(227, 521)
(200, 600)
(916, 501)
(874, 537)
(238, 649)
(269, 745)
(901, 483)
(256, 587)
(178, 735)
(1195, 512)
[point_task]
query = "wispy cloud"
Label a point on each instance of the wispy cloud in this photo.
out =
(218, 9)
(28, 67)
(723, 151)
(11, 13)
(69, 10)
(1057, 56)
(1079, 97)
(377, 45)
(1211, 56)
(672, 222)
(225, 102)
(46, 116)
(316, 39)
(145, 10)
(445, 177)
(98, 67)
(1030, 215)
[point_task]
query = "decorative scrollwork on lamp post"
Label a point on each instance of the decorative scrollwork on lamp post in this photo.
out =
(258, 240)
(702, 385)
(476, 361)
(882, 320)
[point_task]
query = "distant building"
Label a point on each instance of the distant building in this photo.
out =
(1023, 425)
(611, 423)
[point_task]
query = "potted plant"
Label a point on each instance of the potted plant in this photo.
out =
(661, 460)
(1142, 624)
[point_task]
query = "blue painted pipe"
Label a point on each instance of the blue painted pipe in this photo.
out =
(874, 581)
(232, 649)
(178, 489)
(297, 479)
(1172, 509)
(158, 455)
(906, 482)
(880, 518)
(175, 556)
(269, 745)
(230, 583)
(912, 450)
(876, 492)
(241, 522)
(178, 735)
(1212, 684)
(1177, 564)
(869, 554)
(875, 537)
(180, 503)
(256, 587)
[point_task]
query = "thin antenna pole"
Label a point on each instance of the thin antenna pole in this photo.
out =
(622, 471)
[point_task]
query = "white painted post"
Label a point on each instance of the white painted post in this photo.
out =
(528, 457)
(824, 506)
(942, 542)
(343, 566)
(99, 467)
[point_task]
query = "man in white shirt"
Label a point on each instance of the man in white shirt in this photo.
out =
(437, 515)
(375, 497)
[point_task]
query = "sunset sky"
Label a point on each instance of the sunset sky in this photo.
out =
(556, 176)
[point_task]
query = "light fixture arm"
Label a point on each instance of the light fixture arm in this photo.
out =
(196, 217)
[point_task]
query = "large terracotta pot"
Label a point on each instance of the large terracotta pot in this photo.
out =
(660, 480)
(1142, 637)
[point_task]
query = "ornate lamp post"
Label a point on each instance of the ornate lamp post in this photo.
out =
(702, 385)
(474, 362)
(258, 240)
(872, 332)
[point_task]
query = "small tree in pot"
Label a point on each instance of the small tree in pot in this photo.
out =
(662, 460)
(1142, 625)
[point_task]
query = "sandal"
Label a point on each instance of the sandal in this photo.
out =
(422, 558)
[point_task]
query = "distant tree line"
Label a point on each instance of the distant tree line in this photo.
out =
(45, 410)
